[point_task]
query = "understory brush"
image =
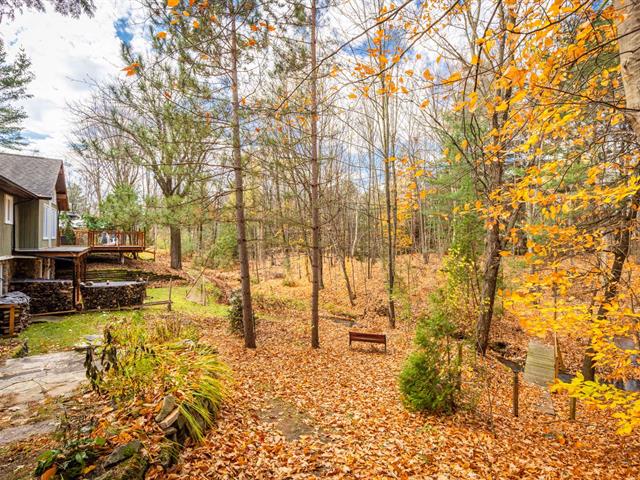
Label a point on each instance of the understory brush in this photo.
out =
(150, 358)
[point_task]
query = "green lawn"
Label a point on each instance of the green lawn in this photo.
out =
(181, 304)
(63, 334)
(71, 329)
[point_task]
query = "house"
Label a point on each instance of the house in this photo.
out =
(32, 193)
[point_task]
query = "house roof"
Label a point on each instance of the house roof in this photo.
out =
(37, 175)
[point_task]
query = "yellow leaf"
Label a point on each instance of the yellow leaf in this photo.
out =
(161, 35)
(353, 96)
(502, 106)
(454, 77)
(173, 3)
(424, 104)
(474, 60)
(196, 24)
(88, 469)
(427, 75)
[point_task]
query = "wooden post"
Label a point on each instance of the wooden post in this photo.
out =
(12, 319)
(169, 304)
(516, 385)
(572, 408)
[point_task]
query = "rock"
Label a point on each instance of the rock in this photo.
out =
(90, 341)
(132, 468)
(23, 432)
(187, 342)
(172, 418)
(32, 379)
(123, 452)
(168, 405)
(169, 453)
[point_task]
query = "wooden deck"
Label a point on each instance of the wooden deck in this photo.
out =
(110, 241)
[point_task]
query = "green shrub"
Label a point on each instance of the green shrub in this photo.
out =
(430, 379)
(234, 314)
(225, 249)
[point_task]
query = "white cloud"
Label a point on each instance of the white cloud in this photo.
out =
(68, 56)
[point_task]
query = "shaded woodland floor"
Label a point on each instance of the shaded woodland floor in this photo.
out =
(337, 413)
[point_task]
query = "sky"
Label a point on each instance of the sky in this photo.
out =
(68, 56)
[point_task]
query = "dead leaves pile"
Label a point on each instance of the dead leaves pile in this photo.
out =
(360, 429)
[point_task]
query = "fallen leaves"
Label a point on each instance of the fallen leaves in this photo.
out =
(358, 427)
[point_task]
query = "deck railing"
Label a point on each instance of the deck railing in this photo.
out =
(105, 239)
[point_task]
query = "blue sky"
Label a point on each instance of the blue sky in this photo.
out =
(69, 56)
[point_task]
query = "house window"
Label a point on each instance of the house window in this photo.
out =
(49, 223)
(54, 224)
(8, 209)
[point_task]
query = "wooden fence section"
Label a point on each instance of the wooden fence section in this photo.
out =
(122, 274)
(107, 240)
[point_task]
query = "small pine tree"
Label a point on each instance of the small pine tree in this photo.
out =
(14, 78)
(429, 380)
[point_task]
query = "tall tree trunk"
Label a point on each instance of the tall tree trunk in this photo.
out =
(489, 284)
(175, 247)
(620, 255)
(247, 309)
(315, 186)
(389, 209)
(493, 238)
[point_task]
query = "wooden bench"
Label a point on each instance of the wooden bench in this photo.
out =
(368, 338)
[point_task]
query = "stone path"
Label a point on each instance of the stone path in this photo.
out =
(29, 381)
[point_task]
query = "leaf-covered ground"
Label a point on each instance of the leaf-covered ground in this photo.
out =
(337, 413)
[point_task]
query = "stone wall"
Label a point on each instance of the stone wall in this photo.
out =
(106, 295)
(46, 295)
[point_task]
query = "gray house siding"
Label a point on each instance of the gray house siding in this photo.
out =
(28, 224)
(6, 231)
